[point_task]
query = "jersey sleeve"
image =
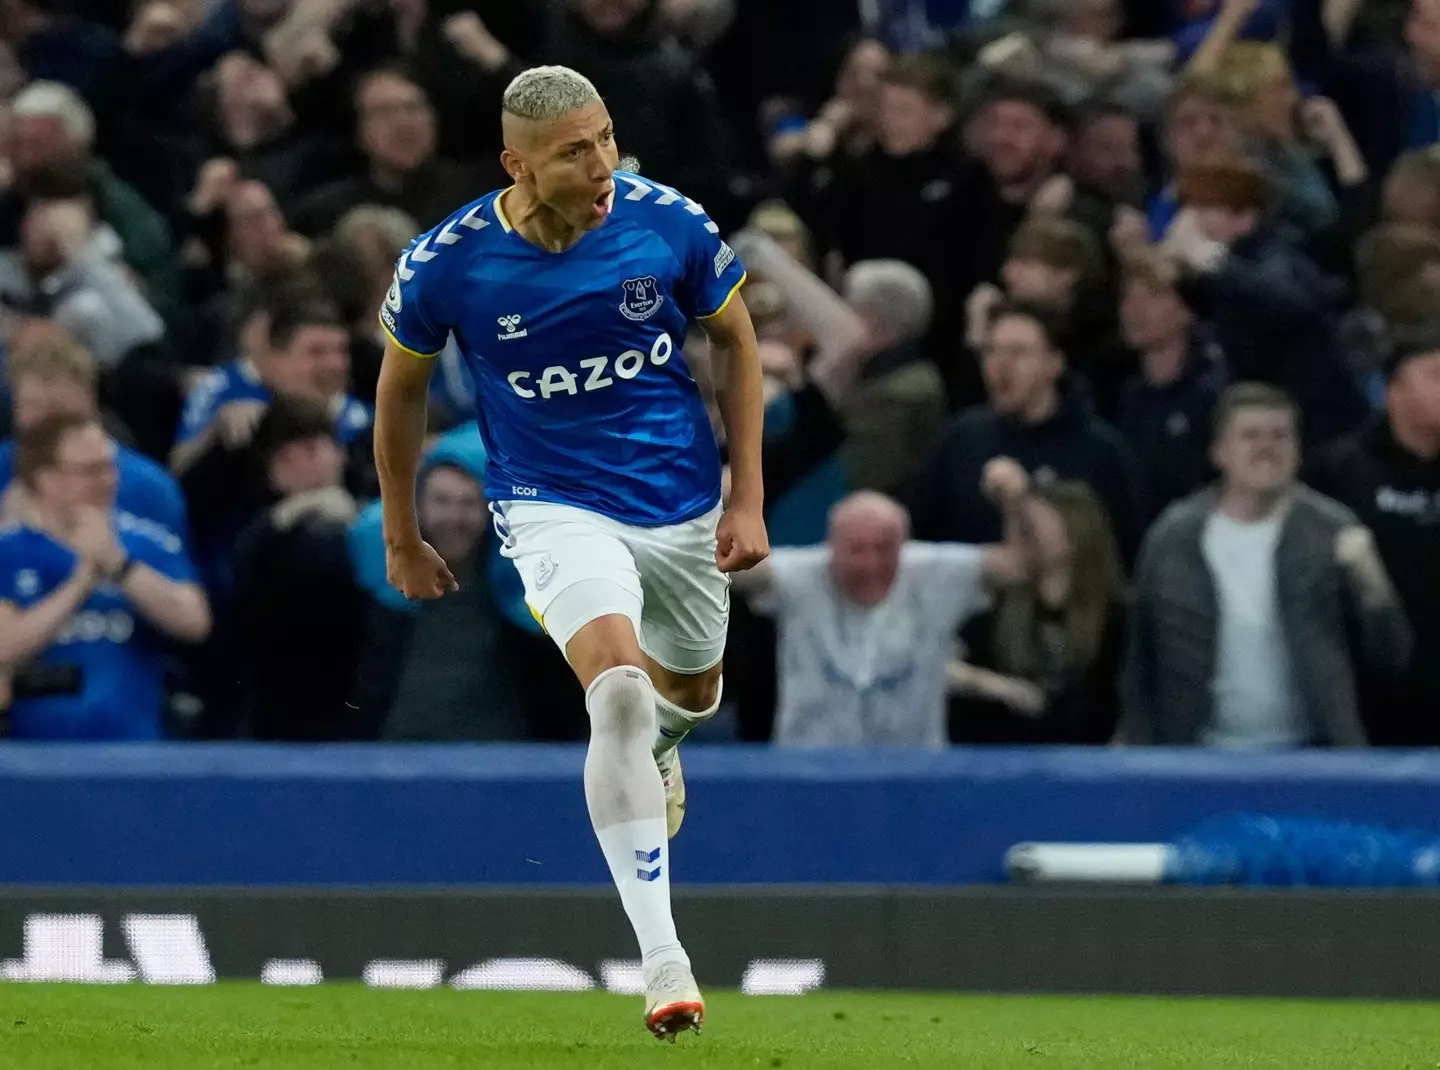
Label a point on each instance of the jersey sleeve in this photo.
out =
(151, 544)
(200, 406)
(415, 313)
(712, 272)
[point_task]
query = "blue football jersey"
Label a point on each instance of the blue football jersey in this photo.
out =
(121, 659)
(238, 381)
(583, 394)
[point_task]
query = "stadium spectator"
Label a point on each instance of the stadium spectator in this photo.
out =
(1055, 262)
(257, 243)
(256, 129)
(1165, 407)
(1281, 132)
(1258, 604)
(53, 137)
(1082, 52)
(305, 355)
(867, 622)
(914, 151)
(1389, 474)
(52, 45)
(1411, 191)
(1272, 309)
(51, 375)
(1397, 271)
(909, 197)
(1105, 161)
(88, 594)
(1041, 665)
(301, 612)
(1036, 414)
(893, 414)
(846, 126)
(1197, 127)
(397, 135)
(66, 269)
(450, 671)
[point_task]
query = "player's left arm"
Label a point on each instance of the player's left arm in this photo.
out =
(741, 540)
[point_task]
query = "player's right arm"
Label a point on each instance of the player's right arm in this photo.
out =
(417, 327)
(411, 565)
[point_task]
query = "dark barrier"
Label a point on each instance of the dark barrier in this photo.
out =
(234, 814)
(1155, 941)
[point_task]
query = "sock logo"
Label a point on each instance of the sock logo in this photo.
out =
(648, 857)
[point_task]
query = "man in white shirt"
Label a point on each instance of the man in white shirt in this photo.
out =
(867, 622)
(1257, 602)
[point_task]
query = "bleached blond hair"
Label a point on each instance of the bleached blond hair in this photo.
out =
(547, 93)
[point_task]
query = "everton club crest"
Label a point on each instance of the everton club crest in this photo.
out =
(642, 298)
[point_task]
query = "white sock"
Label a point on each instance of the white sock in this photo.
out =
(674, 722)
(627, 805)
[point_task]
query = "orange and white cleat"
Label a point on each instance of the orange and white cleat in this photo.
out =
(672, 1002)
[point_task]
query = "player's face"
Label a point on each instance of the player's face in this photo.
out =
(864, 557)
(84, 472)
(1258, 450)
(572, 162)
(37, 397)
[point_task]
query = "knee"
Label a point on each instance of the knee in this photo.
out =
(695, 694)
(621, 702)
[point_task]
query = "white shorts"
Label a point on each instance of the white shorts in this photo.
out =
(578, 566)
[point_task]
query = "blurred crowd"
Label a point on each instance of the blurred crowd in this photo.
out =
(1101, 342)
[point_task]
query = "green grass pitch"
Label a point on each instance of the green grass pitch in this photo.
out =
(345, 1027)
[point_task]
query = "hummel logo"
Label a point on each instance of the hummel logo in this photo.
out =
(511, 326)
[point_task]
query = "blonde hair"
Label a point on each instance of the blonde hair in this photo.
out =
(1097, 584)
(546, 93)
(1244, 69)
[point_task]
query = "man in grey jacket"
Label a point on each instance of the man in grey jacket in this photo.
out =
(1257, 602)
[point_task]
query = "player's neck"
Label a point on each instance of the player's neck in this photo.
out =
(536, 222)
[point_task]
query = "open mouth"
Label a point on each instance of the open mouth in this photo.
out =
(601, 205)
